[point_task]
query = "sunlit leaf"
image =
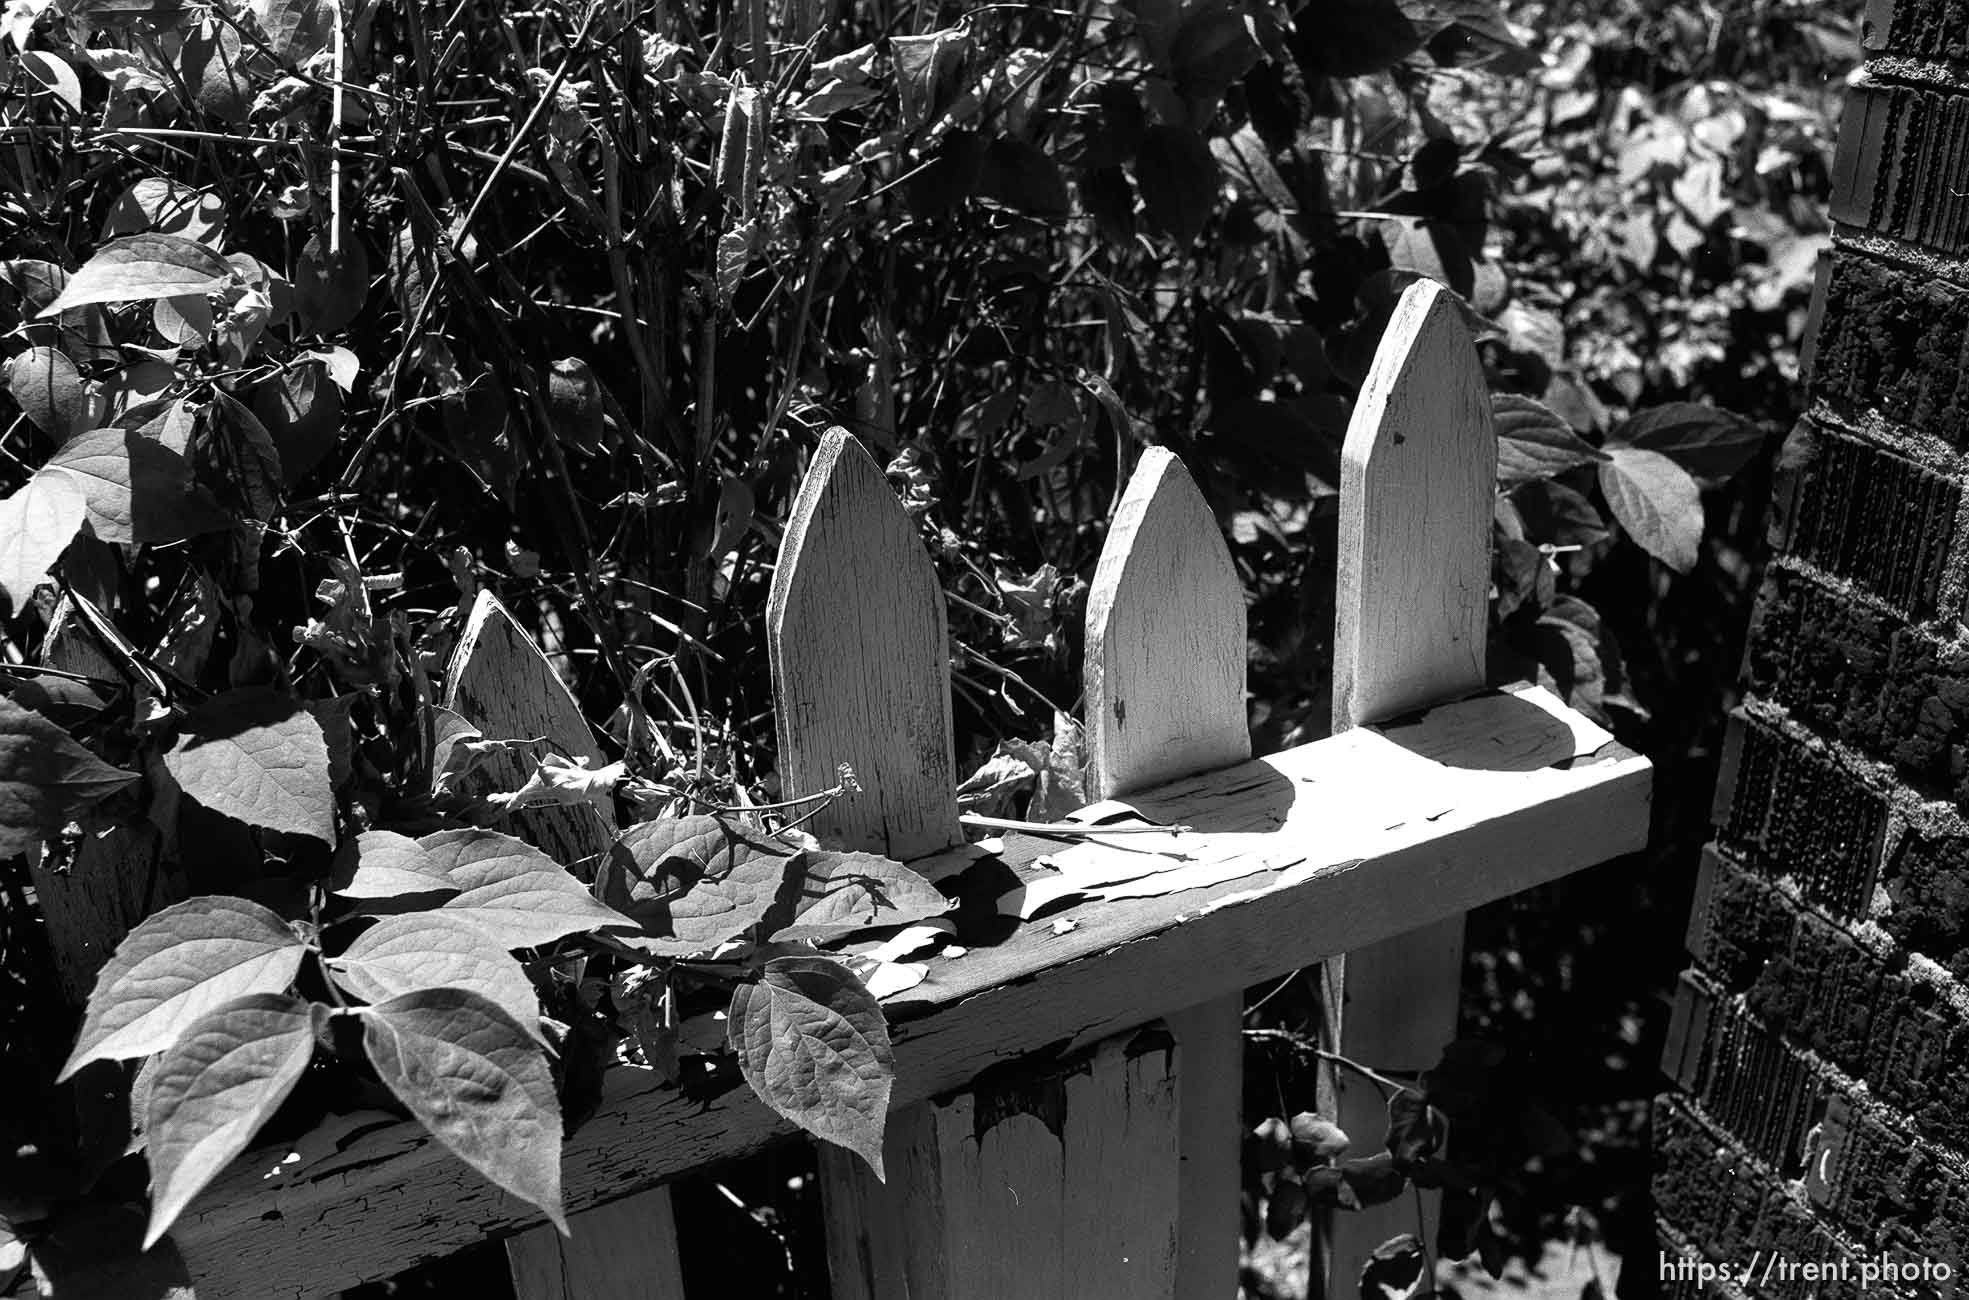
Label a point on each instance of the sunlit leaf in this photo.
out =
(431, 950)
(1657, 502)
(815, 1047)
(257, 755)
(140, 267)
(839, 893)
(137, 489)
(212, 1090)
(475, 1078)
(179, 964)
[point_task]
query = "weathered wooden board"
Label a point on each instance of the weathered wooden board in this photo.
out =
(1165, 639)
(855, 627)
(624, 1250)
(1165, 696)
(1165, 681)
(1060, 1183)
(1418, 475)
(501, 683)
(393, 1198)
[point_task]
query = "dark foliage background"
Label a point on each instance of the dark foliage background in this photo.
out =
(557, 303)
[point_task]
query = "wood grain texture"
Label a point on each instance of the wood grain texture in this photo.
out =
(1472, 831)
(92, 898)
(1165, 638)
(625, 1250)
(1418, 475)
(1418, 472)
(1060, 1184)
(501, 683)
(1165, 683)
(861, 661)
(1165, 697)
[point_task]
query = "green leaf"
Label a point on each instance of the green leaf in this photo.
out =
(55, 75)
(142, 267)
(1533, 442)
(49, 390)
(36, 525)
(1177, 175)
(1657, 502)
(814, 1045)
(167, 207)
(257, 755)
(46, 778)
(927, 72)
(176, 966)
(137, 489)
(479, 1082)
(510, 892)
(691, 883)
(835, 894)
(301, 411)
(389, 865)
(296, 29)
(214, 1088)
(432, 950)
(1708, 443)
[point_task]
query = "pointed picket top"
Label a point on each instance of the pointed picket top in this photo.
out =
(1418, 474)
(1165, 638)
(861, 662)
(501, 683)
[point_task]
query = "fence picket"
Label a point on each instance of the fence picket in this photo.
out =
(861, 668)
(625, 1250)
(502, 684)
(1113, 1173)
(1165, 678)
(1418, 474)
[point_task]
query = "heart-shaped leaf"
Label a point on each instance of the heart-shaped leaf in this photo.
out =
(433, 950)
(389, 865)
(302, 412)
(257, 755)
(835, 894)
(1533, 442)
(179, 964)
(164, 206)
(691, 883)
(1708, 443)
(479, 1082)
(140, 267)
(214, 1088)
(49, 390)
(138, 490)
(36, 525)
(815, 1047)
(45, 778)
(1657, 502)
(510, 892)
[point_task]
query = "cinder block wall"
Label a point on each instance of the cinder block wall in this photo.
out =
(1820, 1037)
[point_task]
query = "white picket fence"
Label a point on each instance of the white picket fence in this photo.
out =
(1110, 1170)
